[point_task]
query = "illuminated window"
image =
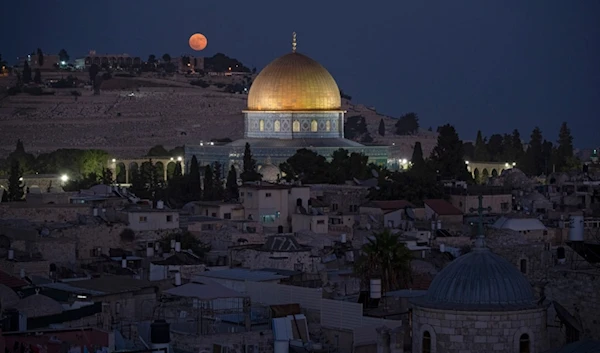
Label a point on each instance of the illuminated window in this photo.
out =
(277, 126)
(261, 125)
(426, 342)
(296, 126)
(328, 125)
(314, 126)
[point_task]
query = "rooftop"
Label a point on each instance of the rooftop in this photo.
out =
(442, 207)
(113, 284)
(240, 274)
(11, 281)
(390, 205)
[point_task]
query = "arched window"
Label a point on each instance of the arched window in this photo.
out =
(277, 126)
(314, 126)
(524, 344)
(261, 125)
(296, 126)
(426, 342)
(328, 126)
(523, 265)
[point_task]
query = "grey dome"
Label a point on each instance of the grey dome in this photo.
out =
(479, 280)
(39, 305)
(270, 173)
(8, 297)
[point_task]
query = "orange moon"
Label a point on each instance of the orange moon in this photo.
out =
(198, 41)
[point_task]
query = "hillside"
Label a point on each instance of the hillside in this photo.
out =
(170, 112)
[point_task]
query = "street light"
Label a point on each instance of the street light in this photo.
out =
(179, 159)
(114, 160)
(466, 162)
(64, 178)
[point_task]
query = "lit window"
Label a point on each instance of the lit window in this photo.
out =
(261, 125)
(277, 126)
(314, 126)
(328, 125)
(296, 126)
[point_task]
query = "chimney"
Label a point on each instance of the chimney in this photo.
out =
(124, 261)
(177, 246)
(178, 278)
(11, 254)
(150, 250)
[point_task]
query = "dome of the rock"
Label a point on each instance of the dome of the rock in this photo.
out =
(294, 82)
(479, 280)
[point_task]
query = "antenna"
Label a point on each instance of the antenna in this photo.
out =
(293, 42)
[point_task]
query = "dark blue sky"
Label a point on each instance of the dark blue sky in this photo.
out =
(491, 65)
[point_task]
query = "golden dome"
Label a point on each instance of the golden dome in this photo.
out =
(294, 82)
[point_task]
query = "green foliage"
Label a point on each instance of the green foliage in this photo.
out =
(222, 63)
(73, 162)
(565, 160)
(307, 166)
(408, 124)
(15, 187)
(249, 172)
(127, 235)
(158, 151)
(385, 257)
(26, 77)
(344, 166)
(381, 128)
(151, 59)
(345, 96)
(534, 161)
(188, 242)
(89, 180)
(448, 155)
(481, 151)
(194, 187)
(232, 190)
(355, 127)
(63, 56)
(40, 57)
(37, 78)
(417, 160)
(166, 58)
(415, 185)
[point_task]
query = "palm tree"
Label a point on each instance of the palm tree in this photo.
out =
(385, 257)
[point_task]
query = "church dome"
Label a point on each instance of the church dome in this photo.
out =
(39, 305)
(479, 280)
(8, 297)
(294, 82)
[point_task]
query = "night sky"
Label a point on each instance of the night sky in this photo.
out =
(491, 65)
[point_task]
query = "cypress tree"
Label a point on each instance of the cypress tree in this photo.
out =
(15, 189)
(381, 128)
(194, 187)
(232, 186)
(249, 173)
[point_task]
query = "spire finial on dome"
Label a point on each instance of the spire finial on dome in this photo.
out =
(293, 42)
(480, 242)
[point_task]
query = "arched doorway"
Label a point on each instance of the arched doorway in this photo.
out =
(494, 173)
(160, 170)
(485, 174)
(171, 169)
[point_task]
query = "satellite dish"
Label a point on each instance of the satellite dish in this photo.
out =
(410, 213)
(375, 173)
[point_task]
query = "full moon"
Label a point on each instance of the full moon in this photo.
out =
(198, 41)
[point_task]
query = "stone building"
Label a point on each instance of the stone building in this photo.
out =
(479, 303)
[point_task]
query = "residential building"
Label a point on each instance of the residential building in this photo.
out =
(224, 210)
(143, 219)
(497, 200)
(389, 214)
(273, 204)
(442, 210)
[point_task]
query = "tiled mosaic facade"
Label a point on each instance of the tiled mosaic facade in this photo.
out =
(289, 125)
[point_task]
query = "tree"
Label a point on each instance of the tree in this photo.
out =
(166, 58)
(564, 150)
(448, 155)
(307, 166)
(481, 151)
(152, 59)
(15, 187)
(218, 190)
(208, 192)
(494, 147)
(417, 160)
(26, 73)
(194, 186)
(63, 56)
(517, 145)
(38, 76)
(4, 195)
(40, 57)
(343, 166)
(158, 151)
(107, 177)
(355, 127)
(249, 172)
(385, 257)
(381, 128)
(232, 185)
(408, 124)
(93, 72)
(188, 242)
(534, 162)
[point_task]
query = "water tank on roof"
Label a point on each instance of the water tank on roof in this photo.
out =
(375, 288)
(576, 231)
(160, 334)
(160, 204)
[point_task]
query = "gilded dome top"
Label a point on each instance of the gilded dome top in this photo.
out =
(479, 280)
(294, 82)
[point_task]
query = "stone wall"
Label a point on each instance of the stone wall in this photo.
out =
(38, 268)
(465, 332)
(42, 213)
(235, 342)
